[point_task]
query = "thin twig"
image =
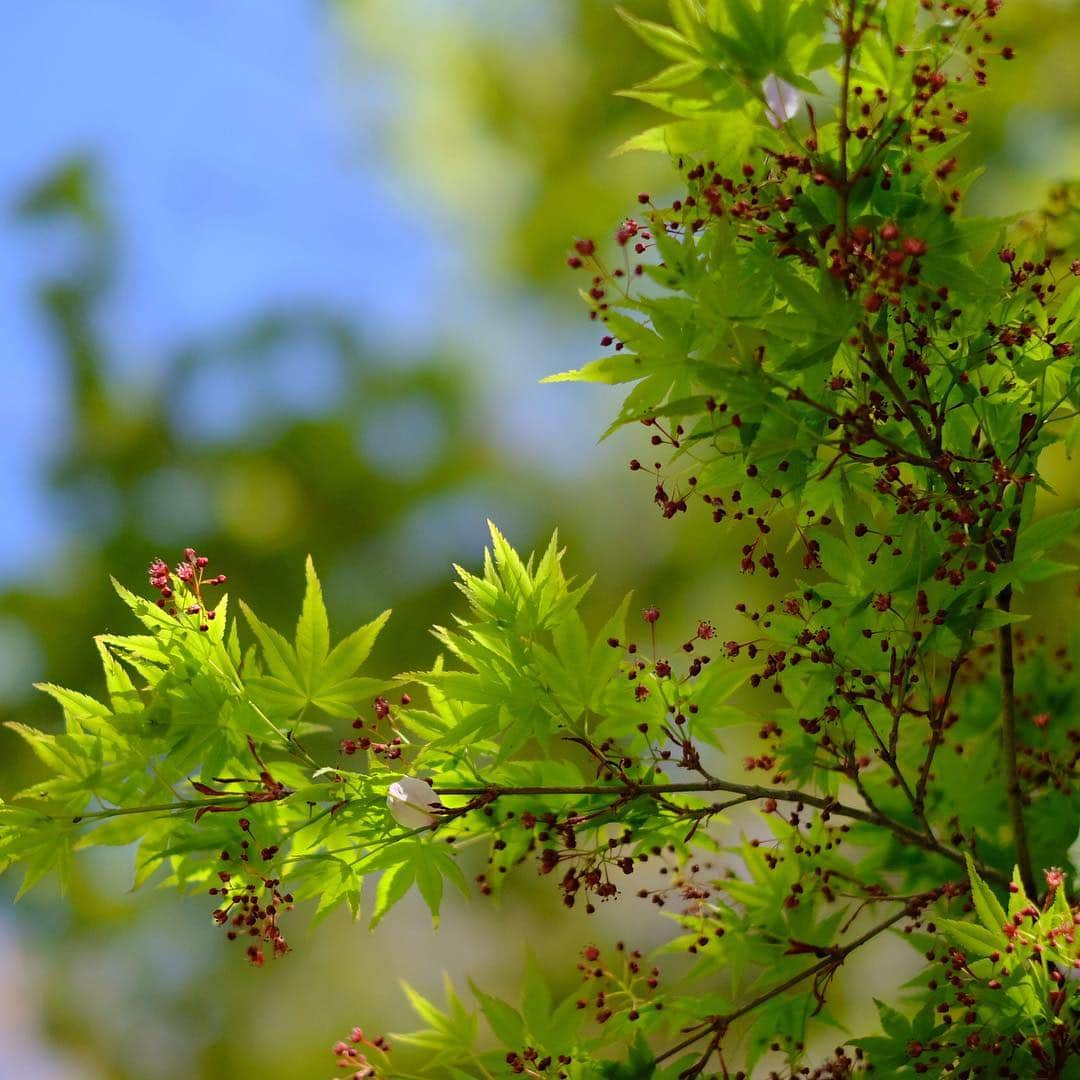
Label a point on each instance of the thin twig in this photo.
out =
(936, 728)
(886, 753)
(154, 808)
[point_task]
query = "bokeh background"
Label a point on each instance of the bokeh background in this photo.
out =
(280, 278)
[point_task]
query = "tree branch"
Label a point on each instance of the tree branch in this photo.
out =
(880, 367)
(1013, 795)
(843, 187)
(830, 806)
(719, 1024)
(887, 753)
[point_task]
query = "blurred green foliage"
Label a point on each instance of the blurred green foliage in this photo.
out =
(137, 477)
(363, 484)
(513, 113)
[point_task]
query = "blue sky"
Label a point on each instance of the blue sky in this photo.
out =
(239, 180)
(234, 154)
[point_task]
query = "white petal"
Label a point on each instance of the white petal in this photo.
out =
(781, 99)
(410, 802)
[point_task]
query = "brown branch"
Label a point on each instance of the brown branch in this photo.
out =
(880, 367)
(887, 753)
(843, 187)
(1006, 550)
(1013, 795)
(717, 1025)
(854, 774)
(936, 728)
(630, 790)
(797, 393)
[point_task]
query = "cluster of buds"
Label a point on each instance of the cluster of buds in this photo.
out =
(686, 886)
(350, 1056)
(592, 878)
(184, 585)
(532, 1062)
(389, 747)
(251, 911)
(667, 692)
(968, 1002)
(842, 1064)
(625, 986)
(888, 261)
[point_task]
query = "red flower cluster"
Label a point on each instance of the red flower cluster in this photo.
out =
(349, 1056)
(190, 573)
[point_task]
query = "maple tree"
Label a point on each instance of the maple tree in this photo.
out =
(859, 383)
